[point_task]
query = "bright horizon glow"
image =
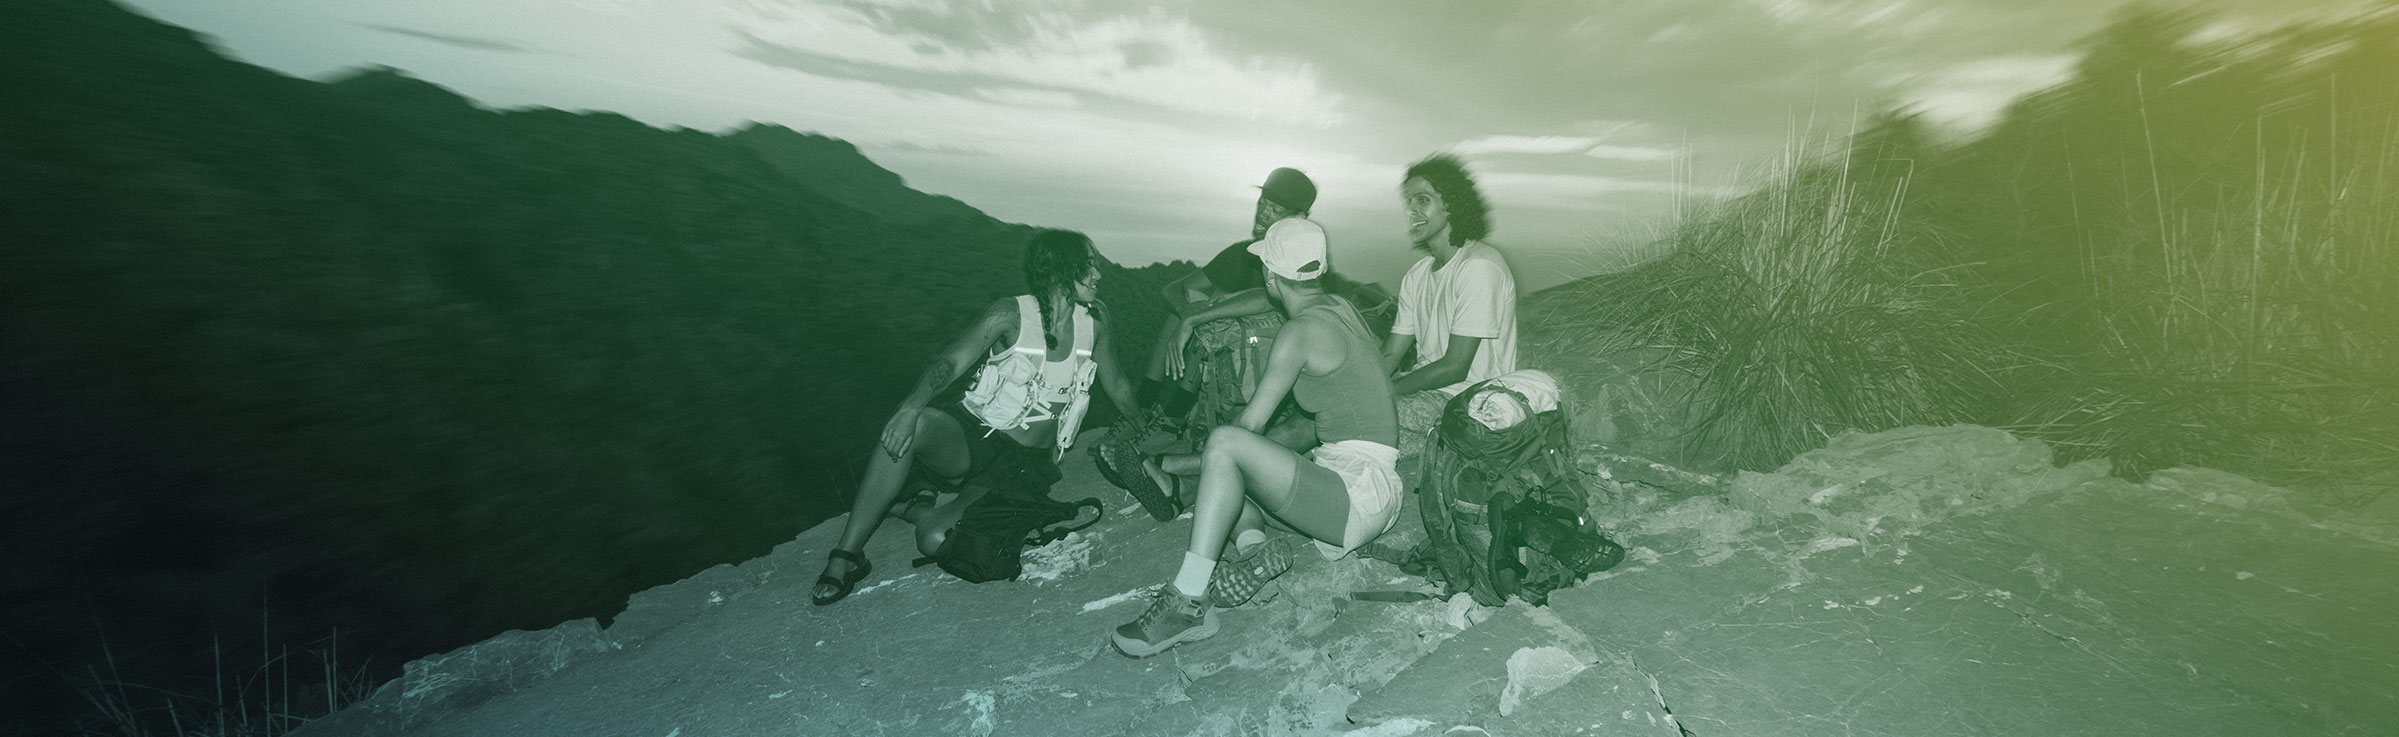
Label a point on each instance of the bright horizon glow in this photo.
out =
(1147, 125)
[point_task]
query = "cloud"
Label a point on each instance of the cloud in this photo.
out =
(1583, 190)
(915, 147)
(464, 42)
(1631, 153)
(1972, 94)
(1558, 145)
(1030, 97)
(1140, 59)
(1526, 145)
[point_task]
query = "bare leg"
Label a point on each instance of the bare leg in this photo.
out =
(1237, 468)
(933, 527)
(1186, 469)
(940, 445)
(1180, 465)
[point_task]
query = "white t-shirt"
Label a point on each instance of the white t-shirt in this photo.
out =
(1473, 295)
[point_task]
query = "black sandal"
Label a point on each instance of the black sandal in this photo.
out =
(858, 570)
(1118, 455)
(1156, 500)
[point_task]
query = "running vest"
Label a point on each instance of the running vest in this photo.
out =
(1019, 386)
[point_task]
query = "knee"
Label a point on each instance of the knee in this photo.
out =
(929, 539)
(920, 420)
(1223, 440)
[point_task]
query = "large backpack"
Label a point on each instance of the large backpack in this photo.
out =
(989, 540)
(1228, 357)
(1504, 509)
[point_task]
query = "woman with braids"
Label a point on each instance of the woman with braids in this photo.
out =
(1036, 357)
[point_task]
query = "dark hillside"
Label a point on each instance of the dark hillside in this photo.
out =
(368, 355)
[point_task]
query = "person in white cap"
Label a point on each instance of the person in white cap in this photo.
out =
(1222, 304)
(1341, 494)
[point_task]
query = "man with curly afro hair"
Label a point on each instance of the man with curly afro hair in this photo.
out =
(1457, 306)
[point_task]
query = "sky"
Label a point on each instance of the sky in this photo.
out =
(1589, 124)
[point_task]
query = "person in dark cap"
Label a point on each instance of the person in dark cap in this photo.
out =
(1230, 285)
(1224, 302)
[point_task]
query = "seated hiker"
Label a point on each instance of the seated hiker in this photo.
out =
(1204, 364)
(1341, 494)
(1456, 324)
(1229, 286)
(1037, 356)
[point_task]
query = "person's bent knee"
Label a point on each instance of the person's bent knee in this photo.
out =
(930, 538)
(1225, 438)
(924, 422)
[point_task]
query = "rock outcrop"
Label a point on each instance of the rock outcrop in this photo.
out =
(1918, 581)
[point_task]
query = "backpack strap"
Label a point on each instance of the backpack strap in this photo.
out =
(1054, 533)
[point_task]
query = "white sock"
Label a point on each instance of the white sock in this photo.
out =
(1193, 579)
(1248, 538)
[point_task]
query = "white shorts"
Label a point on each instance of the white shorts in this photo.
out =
(1369, 473)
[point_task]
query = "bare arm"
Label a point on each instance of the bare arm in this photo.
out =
(1112, 379)
(900, 433)
(1449, 369)
(1239, 304)
(1396, 350)
(963, 352)
(1282, 370)
(1181, 293)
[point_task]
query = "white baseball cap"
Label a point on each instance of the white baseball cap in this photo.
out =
(1293, 249)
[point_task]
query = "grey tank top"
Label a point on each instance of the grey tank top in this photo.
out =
(1354, 401)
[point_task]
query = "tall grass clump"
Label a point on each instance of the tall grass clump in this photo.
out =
(2183, 254)
(1801, 311)
(2201, 238)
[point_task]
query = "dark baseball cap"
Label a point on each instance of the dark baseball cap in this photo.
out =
(1289, 188)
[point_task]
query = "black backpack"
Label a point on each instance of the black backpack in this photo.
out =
(989, 540)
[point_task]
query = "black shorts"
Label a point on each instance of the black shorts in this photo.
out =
(989, 451)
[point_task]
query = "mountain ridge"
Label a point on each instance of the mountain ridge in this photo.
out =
(364, 354)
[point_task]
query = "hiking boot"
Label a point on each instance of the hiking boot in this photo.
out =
(1171, 620)
(1249, 569)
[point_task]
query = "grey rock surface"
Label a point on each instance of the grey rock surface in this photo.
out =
(1847, 594)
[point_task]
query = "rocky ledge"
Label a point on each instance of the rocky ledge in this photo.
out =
(1922, 581)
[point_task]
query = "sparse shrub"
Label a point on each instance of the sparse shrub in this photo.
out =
(267, 701)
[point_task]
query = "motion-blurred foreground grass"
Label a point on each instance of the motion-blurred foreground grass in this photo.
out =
(2183, 255)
